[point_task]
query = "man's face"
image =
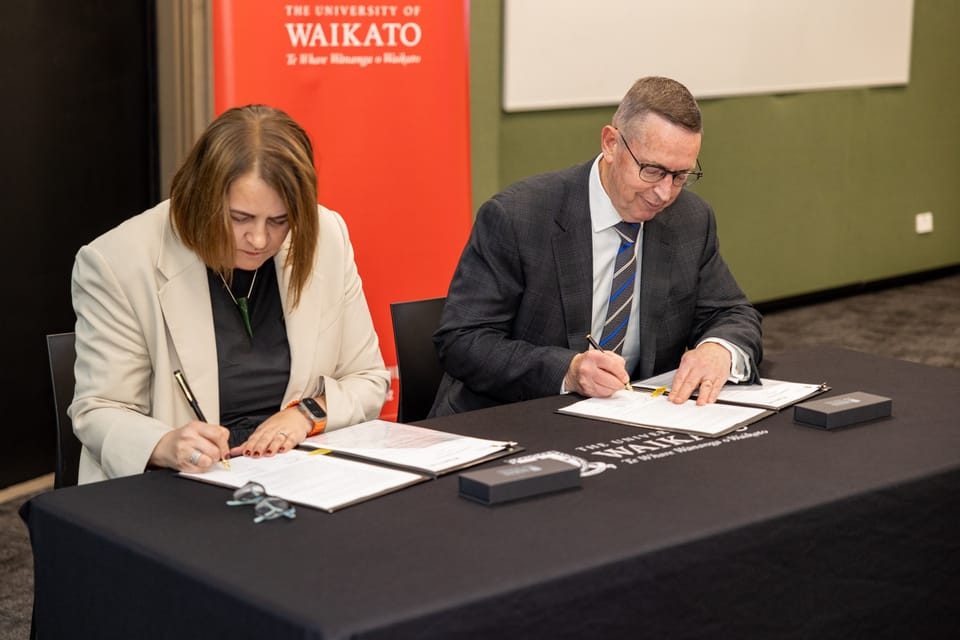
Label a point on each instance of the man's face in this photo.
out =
(653, 140)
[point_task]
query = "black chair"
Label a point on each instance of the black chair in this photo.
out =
(418, 366)
(62, 352)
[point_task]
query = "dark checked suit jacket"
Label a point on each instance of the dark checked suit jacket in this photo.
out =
(519, 305)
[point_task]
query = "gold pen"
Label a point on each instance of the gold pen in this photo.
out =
(593, 343)
(192, 401)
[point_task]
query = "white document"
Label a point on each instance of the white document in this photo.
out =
(410, 446)
(657, 412)
(319, 481)
(769, 394)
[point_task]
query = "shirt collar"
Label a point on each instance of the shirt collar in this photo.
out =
(603, 215)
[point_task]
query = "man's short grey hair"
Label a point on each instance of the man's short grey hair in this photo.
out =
(663, 96)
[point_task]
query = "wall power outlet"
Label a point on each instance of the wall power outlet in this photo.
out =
(924, 222)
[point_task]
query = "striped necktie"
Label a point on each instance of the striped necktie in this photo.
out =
(622, 290)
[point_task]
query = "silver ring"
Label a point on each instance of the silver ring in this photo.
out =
(195, 456)
(284, 434)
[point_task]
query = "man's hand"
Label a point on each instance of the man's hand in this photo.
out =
(706, 367)
(596, 374)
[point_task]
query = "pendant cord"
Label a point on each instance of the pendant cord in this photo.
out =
(230, 293)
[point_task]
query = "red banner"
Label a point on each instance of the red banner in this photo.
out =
(382, 90)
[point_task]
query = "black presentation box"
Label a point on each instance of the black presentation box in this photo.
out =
(514, 481)
(843, 410)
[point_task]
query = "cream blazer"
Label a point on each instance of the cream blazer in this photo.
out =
(143, 311)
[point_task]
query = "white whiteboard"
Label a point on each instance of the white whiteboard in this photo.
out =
(577, 53)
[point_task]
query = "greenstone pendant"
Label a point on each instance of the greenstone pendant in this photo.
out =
(245, 314)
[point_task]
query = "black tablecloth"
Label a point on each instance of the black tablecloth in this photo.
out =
(779, 530)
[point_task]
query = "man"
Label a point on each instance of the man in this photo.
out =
(538, 274)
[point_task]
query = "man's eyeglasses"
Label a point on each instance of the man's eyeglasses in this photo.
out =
(654, 173)
(266, 507)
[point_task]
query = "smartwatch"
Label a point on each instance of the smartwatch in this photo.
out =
(313, 412)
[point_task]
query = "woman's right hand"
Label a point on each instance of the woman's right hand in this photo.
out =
(193, 447)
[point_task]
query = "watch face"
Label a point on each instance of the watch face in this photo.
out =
(314, 408)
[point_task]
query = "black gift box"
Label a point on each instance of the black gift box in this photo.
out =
(843, 410)
(514, 481)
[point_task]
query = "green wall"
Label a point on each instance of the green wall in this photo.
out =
(812, 190)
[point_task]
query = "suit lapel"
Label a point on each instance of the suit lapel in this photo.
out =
(302, 324)
(185, 301)
(654, 289)
(573, 253)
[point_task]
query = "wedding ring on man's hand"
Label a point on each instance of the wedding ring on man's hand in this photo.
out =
(284, 434)
(195, 456)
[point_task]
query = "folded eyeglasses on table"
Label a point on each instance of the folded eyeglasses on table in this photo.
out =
(266, 507)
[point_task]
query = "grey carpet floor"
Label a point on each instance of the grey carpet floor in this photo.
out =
(16, 572)
(918, 322)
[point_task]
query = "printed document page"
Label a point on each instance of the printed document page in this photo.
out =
(657, 412)
(409, 446)
(769, 394)
(319, 481)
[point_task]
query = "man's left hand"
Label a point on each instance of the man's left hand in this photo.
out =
(707, 368)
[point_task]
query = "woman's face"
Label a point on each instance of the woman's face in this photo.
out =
(259, 219)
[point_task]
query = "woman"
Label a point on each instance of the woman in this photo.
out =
(244, 285)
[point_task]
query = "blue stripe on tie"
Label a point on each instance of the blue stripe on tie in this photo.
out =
(626, 284)
(615, 332)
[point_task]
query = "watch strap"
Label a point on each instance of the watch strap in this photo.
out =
(318, 425)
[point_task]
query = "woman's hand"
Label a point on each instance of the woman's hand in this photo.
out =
(280, 432)
(193, 447)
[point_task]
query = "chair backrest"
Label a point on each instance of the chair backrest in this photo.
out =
(62, 352)
(418, 366)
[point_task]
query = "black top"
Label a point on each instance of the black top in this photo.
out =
(253, 372)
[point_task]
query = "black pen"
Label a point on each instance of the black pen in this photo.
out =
(593, 343)
(192, 400)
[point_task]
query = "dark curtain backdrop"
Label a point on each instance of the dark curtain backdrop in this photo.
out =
(79, 154)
